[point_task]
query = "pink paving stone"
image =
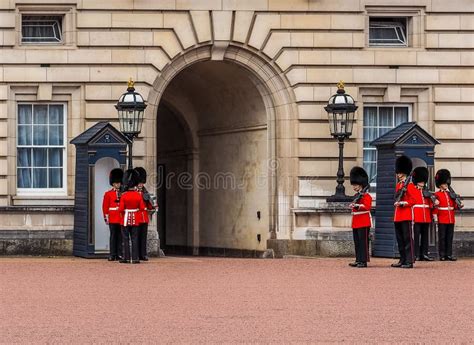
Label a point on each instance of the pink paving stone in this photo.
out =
(209, 300)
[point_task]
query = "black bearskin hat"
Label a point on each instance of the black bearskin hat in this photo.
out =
(403, 165)
(359, 176)
(130, 178)
(420, 174)
(442, 176)
(115, 176)
(142, 174)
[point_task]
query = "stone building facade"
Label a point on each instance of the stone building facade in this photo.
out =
(236, 92)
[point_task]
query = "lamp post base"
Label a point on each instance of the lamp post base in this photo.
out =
(340, 193)
(339, 198)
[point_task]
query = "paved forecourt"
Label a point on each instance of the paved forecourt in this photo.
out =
(211, 300)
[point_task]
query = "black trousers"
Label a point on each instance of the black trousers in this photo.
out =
(445, 239)
(361, 244)
(130, 233)
(421, 231)
(404, 241)
(142, 240)
(115, 240)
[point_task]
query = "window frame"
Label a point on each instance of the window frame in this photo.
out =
(415, 24)
(69, 25)
(43, 191)
(379, 105)
(396, 26)
(55, 43)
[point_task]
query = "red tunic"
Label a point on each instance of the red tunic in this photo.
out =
(446, 207)
(403, 213)
(361, 217)
(148, 207)
(110, 206)
(131, 207)
(422, 207)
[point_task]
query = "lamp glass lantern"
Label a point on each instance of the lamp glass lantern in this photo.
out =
(131, 108)
(341, 115)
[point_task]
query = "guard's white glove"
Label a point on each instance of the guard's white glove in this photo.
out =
(401, 203)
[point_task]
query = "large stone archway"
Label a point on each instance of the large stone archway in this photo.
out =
(277, 103)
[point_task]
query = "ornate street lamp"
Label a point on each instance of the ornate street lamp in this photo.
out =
(131, 108)
(341, 109)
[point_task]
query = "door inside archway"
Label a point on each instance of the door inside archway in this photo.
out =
(212, 154)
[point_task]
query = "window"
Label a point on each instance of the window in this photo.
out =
(378, 120)
(388, 31)
(41, 149)
(41, 29)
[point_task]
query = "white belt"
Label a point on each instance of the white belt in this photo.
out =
(113, 208)
(127, 212)
(446, 208)
(360, 212)
(421, 206)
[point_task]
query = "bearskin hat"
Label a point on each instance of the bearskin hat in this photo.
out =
(403, 165)
(130, 179)
(359, 176)
(420, 174)
(115, 176)
(442, 176)
(142, 174)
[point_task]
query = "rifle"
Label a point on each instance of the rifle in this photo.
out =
(148, 197)
(429, 194)
(360, 194)
(455, 197)
(401, 192)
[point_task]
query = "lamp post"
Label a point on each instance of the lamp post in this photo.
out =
(130, 108)
(341, 109)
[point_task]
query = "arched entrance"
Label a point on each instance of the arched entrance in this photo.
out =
(224, 136)
(212, 118)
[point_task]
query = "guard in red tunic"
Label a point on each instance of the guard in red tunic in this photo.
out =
(402, 218)
(131, 208)
(444, 214)
(361, 217)
(422, 213)
(143, 228)
(110, 209)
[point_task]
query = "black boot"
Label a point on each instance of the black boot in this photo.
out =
(407, 266)
(451, 258)
(361, 264)
(123, 261)
(427, 258)
(397, 264)
(443, 258)
(112, 258)
(353, 264)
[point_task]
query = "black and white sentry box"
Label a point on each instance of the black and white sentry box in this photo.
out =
(99, 149)
(413, 141)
